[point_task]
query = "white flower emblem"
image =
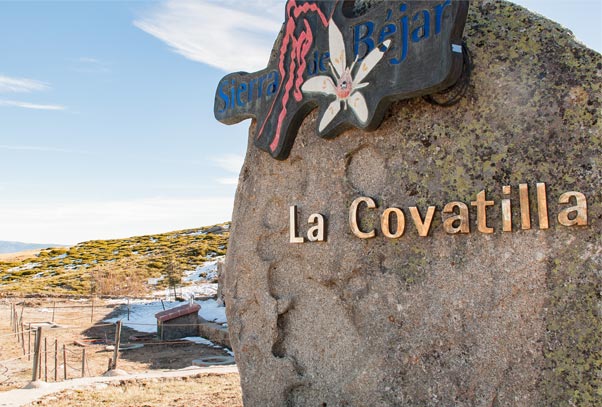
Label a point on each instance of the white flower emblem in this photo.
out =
(347, 86)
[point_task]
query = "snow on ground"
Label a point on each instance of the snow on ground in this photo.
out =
(142, 317)
(206, 272)
(27, 266)
(194, 290)
(142, 313)
(211, 311)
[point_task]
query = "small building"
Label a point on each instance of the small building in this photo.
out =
(178, 322)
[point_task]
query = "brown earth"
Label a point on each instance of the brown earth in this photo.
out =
(204, 390)
(75, 322)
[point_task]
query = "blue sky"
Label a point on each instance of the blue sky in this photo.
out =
(106, 110)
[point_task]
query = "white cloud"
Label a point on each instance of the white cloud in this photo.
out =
(229, 35)
(74, 222)
(27, 105)
(230, 162)
(21, 85)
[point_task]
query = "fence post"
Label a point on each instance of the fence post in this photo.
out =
(56, 360)
(45, 359)
(23, 336)
(64, 362)
(15, 321)
(83, 362)
(128, 309)
(29, 342)
(117, 343)
(36, 358)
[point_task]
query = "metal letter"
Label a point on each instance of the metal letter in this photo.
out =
(385, 223)
(293, 238)
(580, 219)
(423, 227)
(525, 211)
(463, 217)
(353, 222)
(316, 233)
(542, 206)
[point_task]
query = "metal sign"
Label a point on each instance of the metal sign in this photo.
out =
(350, 67)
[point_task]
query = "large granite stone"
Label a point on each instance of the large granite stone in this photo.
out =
(502, 319)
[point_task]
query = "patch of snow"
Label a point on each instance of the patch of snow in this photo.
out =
(211, 311)
(198, 233)
(142, 313)
(155, 281)
(27, 266)
(206, 272)
(39, 275)
(194, 290)
(201, 341)
(60, 257)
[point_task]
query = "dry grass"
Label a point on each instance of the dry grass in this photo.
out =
(206, 390)
(19, 256)
(111, 267)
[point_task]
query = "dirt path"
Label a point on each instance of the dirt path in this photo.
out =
(23, 397)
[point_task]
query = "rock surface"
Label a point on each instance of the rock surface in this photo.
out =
(507, 319)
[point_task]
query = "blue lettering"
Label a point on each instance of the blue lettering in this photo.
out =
(404, 38)
(251, 84)
(439, 9)
(425, 28)
(386, 32)
(366, 39)
(223, 96)
(260, 87)
(232, 94)
(273, 87)
(321, 65)
(241, 89)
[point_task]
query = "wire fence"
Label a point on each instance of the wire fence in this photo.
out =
(52, 360)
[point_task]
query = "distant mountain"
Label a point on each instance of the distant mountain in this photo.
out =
(14, 247)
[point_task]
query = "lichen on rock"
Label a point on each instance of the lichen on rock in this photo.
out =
(488, 320)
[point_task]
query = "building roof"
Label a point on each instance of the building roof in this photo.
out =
(177, 312)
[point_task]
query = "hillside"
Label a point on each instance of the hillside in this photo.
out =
(113, 267)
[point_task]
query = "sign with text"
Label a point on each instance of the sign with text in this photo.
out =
(350, 67)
